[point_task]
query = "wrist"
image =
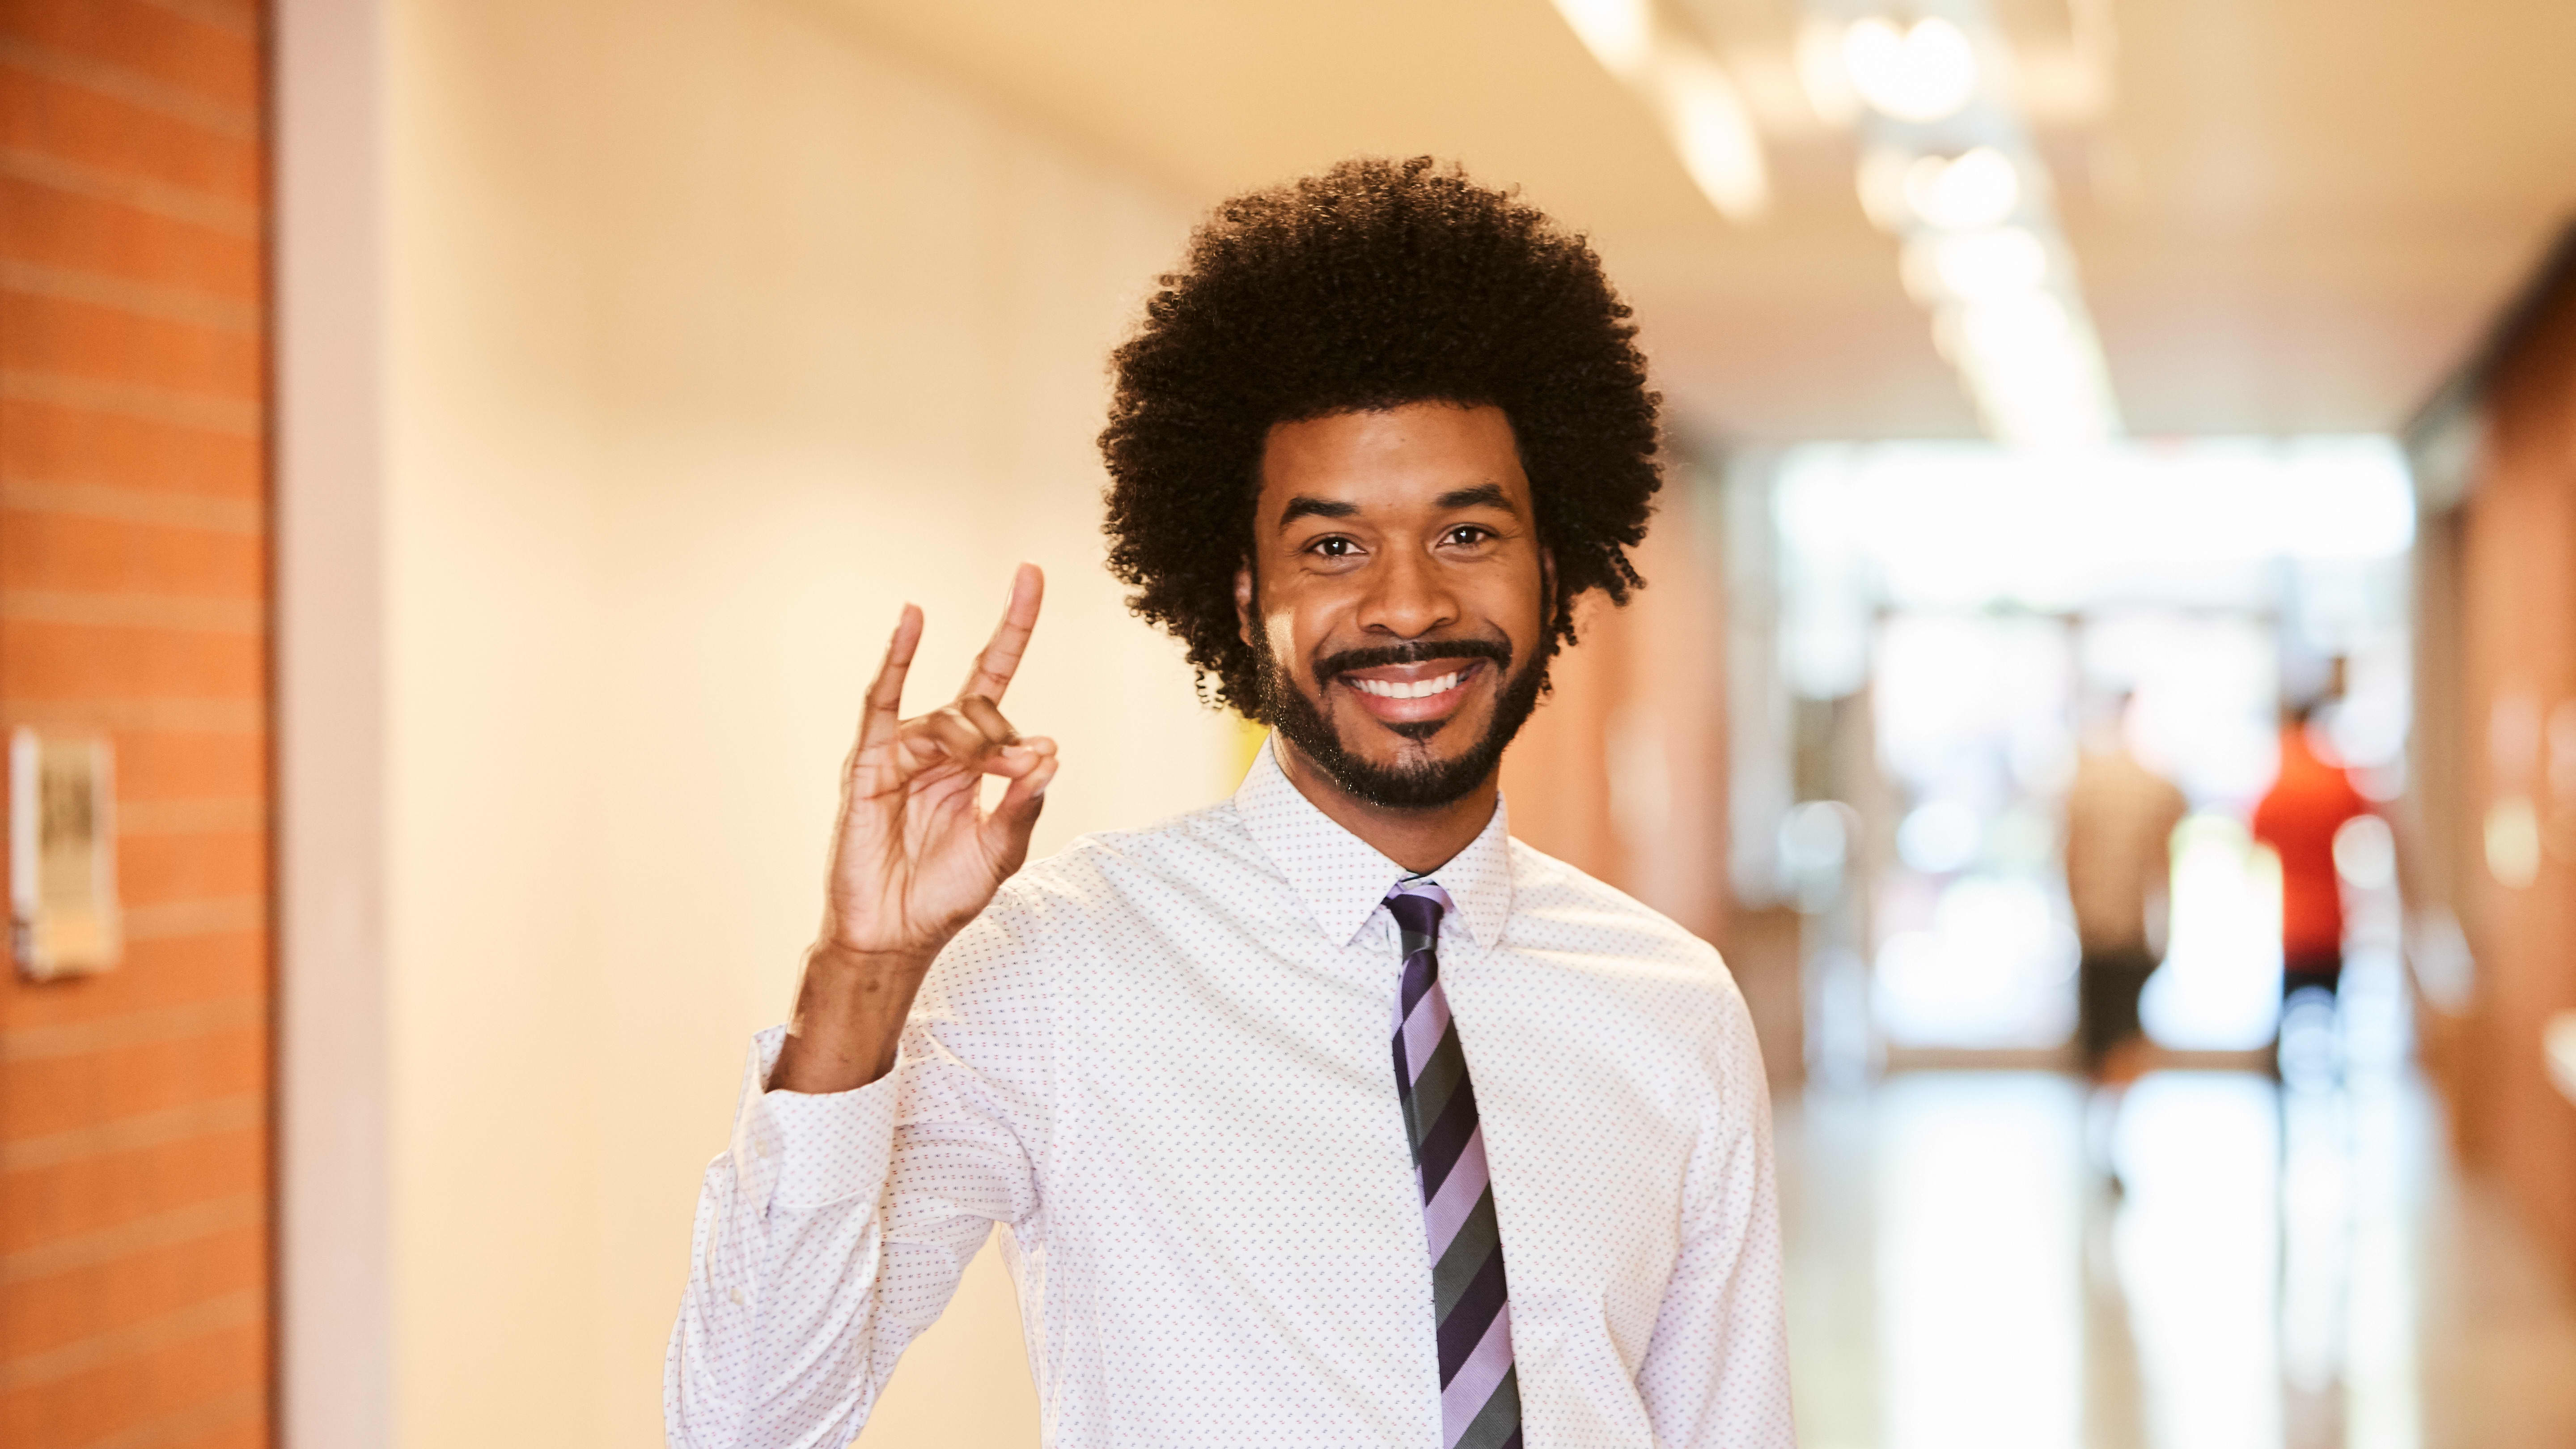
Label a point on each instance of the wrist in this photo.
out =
(863, 965)
(850, 1010)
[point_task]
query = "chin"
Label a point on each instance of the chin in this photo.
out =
(1404, 764)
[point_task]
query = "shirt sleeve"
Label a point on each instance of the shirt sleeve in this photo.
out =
(1716, 1370)
(834, 1228)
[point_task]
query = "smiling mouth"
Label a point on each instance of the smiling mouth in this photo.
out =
(1417, 697)
(1409, 689)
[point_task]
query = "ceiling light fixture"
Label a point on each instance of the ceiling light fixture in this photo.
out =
(1702, 110)
(1947, 167)
(1977, 266)
(1979, 188)
(1619, 33)
(1713, 133)
(2033, 373)
(1926, 72)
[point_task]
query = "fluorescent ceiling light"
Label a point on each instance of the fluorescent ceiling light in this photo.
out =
(1974, 266)
(1924, 73)
(2032, 367)
(1702, 110)
(1977, 189)
(1713, 134)
(1619, 33)
(1979, 241)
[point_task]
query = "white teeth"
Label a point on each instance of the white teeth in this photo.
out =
(1418, 689)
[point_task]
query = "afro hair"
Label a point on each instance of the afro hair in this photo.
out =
(1375, 284)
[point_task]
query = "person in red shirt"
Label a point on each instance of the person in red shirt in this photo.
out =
(2310, 800)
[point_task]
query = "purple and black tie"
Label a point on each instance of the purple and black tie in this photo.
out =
(1480, 1394)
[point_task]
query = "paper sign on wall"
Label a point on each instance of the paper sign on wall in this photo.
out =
(62, 854)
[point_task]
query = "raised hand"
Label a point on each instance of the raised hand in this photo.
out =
(914, 855)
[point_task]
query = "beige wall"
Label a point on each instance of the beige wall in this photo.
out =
(713, 334)
(714, 337)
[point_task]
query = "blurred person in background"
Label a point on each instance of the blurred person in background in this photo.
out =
(1213, 1076)
(2311, 799)
(2120, 820)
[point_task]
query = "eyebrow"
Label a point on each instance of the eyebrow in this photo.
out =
(1483, 495)
(1307, 505)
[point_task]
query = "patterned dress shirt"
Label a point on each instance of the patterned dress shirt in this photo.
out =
(1159, 1063)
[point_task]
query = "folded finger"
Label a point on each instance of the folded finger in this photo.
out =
(944, 735)
(1014, 760)
(1007, 828)
(985, 716)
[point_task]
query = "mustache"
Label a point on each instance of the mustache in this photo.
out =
(1419, 651)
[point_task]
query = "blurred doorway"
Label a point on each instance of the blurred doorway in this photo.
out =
(1980, 607)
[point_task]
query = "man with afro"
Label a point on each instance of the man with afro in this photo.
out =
(1328, 1115)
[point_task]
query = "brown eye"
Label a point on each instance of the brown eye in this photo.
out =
(1334, 547)
(1468, 533)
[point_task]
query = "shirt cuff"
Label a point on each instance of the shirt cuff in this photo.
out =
(798, 1151)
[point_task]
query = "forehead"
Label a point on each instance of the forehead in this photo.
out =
(1391, 458)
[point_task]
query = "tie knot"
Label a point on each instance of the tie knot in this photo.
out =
(1417, 907)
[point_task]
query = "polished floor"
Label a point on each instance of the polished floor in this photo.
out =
(2287, 1268)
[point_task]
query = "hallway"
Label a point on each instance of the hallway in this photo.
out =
(459, 458)
(1961, 1278)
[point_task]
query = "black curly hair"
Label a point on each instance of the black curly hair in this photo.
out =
(1372, 285)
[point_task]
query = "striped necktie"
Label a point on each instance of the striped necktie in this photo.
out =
(1480, 1395)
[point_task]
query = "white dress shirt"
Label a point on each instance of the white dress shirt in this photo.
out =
(1160, 1061)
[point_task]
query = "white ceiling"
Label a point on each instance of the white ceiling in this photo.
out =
(2291, 215)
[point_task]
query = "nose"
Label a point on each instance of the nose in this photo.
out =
(1408, 597)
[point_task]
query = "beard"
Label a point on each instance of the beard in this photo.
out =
(1424, 784)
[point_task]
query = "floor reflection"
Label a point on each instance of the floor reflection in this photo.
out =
(2283, 1267)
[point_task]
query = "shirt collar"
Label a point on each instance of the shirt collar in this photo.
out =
(1343, 879)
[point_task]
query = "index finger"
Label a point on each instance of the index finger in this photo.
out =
(885, 693)
(1001, 657)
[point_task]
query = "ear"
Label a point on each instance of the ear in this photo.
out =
(1547, 588)
(1243, 603)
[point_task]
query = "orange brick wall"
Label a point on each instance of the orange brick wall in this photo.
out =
(134, 1106)
(2517, 610)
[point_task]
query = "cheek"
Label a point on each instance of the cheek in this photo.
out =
(1516, 601)
(1298, 620)
(1283, 629)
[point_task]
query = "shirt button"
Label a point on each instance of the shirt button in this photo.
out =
(760, 1147)
(736, 1295)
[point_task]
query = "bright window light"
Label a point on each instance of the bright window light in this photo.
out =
(1952, 525)
(1924, 73)
(1939, 837)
